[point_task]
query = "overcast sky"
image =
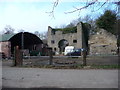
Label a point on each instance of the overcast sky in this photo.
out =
(31, 16)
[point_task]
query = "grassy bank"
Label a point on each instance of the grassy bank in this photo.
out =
(75, 66)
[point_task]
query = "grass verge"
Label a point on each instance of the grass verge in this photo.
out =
(78, 66)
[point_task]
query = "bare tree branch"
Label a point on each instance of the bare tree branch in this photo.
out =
(118, 3)
(79, 9)
(101, 6)
(88, 4)
(8, 30)
(55, 4)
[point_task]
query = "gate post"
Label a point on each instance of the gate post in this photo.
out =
(17, 57)
(50, 53)
(84, 57)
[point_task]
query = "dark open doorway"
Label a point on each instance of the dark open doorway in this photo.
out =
(62, 44)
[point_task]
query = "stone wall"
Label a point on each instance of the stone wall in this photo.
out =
(103, 42)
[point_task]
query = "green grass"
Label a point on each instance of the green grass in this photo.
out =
(78, 66)
(105, 66)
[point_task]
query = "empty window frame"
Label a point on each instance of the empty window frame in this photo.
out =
(74, 41)
(52, 41)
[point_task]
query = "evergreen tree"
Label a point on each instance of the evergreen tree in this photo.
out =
(107, 21)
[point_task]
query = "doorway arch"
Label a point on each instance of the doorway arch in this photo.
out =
(62, 44)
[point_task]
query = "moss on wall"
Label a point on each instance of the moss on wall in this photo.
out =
(66, 30)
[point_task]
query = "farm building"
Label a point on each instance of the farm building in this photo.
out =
(26, 41)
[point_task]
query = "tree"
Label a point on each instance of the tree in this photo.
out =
(88, 3)
(70, 25)
(61, 26)
(37, 33)
(107, 21)
(21, 30)
(8, 30)
(42, 36)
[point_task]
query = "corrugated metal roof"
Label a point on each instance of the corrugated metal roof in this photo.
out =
(6, 37)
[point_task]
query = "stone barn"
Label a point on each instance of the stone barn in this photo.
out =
(26, 41)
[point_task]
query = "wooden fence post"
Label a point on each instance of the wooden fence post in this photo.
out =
(50, 56)
(84, 57)
(17, 57)
(14, 59)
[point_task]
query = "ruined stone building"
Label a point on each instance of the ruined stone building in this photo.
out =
(102, 42)
(58, 40)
